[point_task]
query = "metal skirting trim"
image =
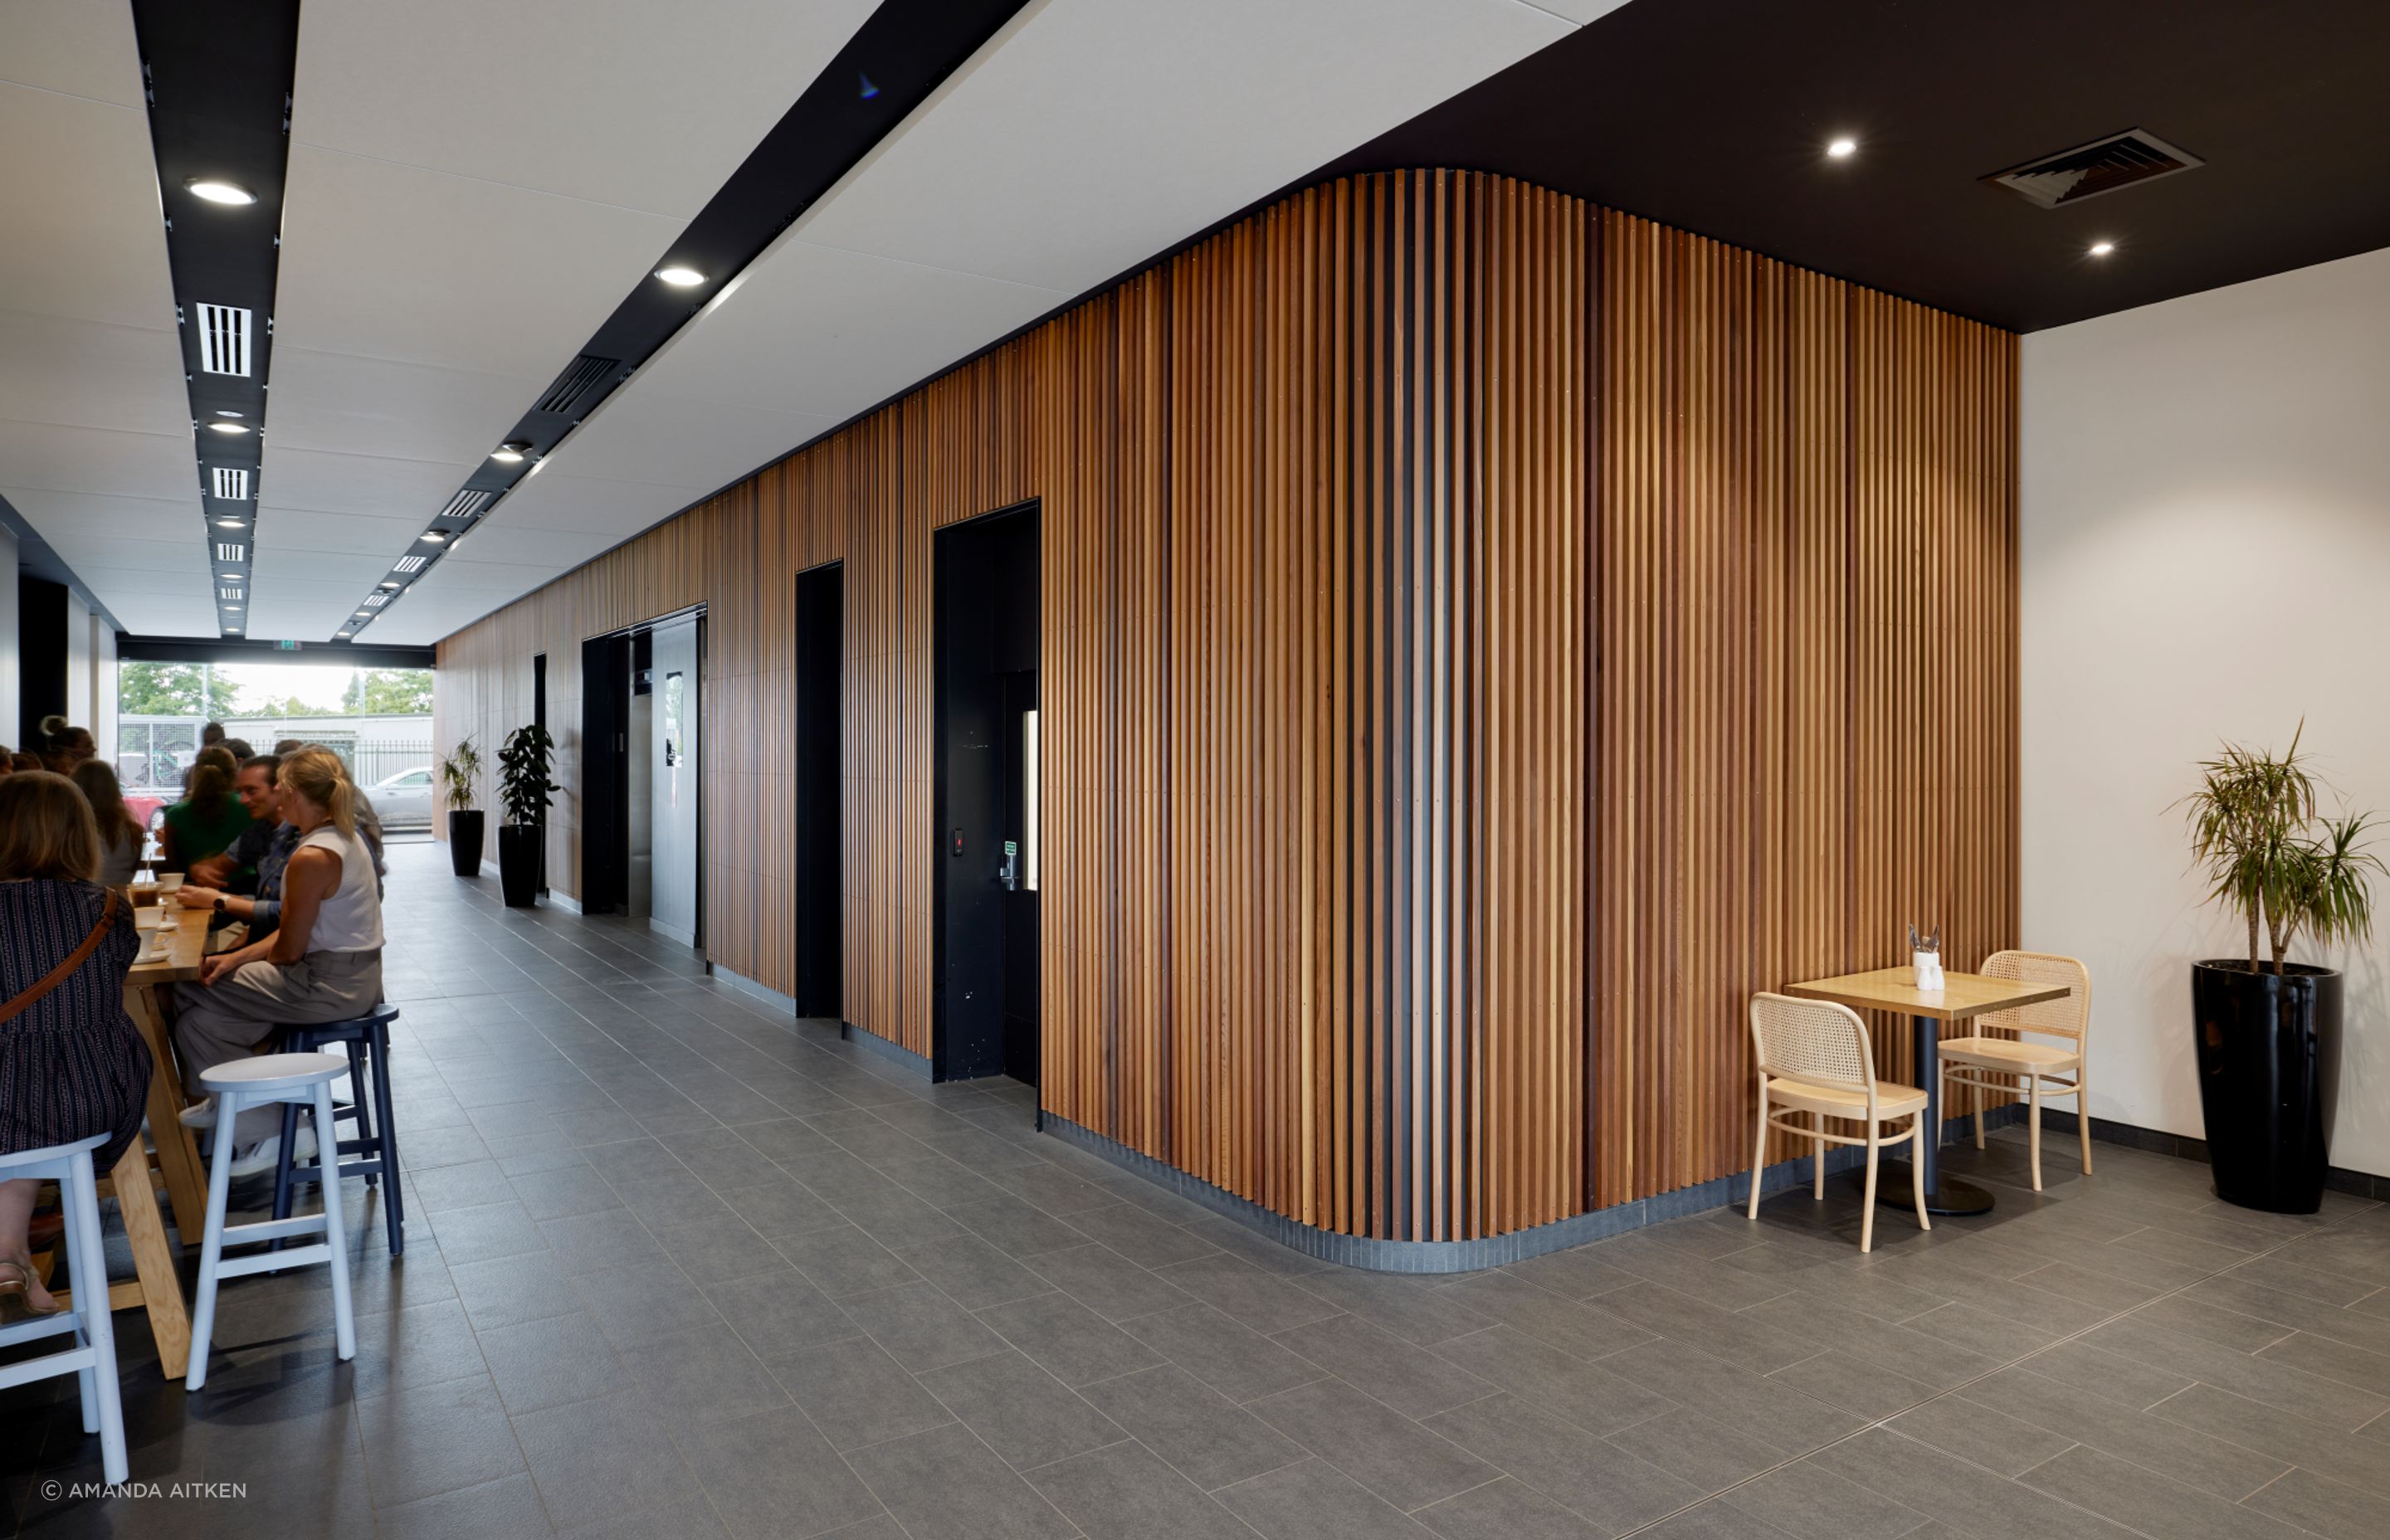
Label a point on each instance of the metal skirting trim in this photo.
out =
(894, 1052)
(1464, 1256)
(2357, 1183)
(746, 985)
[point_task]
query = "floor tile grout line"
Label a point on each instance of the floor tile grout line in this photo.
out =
(1884, 1422)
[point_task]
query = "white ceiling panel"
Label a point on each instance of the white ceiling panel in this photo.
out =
(110, 549)
(345, 405)
(829, 332)
(1105, 131)
(304, 530)
(645, 105)
(73, 46)
(277, 562)
(645, 433)
(560, 500)
(84, 229)
(464, 572)
(388, 262)
(318, 481)
(531, 547)
(99, 462)
(91, 374)
(72, 518)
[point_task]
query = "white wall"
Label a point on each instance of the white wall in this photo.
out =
(78, 707)
(2205, 555)
(12, 661)
(102, 716)
(673, 895)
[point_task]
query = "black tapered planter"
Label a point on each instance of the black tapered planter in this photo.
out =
(519, 847)
(2263, 1043)
(464, 840)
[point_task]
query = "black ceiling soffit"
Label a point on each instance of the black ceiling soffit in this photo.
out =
(245, 649)
(902, 53)
(218, 82)
(1714, 115)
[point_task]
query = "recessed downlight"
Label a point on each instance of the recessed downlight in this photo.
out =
(390, 584)
(434, 536)
(229, 427)
(1844, 149)
(681, 278)
(230, 523)
(511, 452)
(2103, 248)
(222, 413)
(217, 190)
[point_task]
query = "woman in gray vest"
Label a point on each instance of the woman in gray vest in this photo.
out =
(323, 964)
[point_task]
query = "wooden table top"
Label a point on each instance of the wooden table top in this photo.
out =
(189, 948)
(1962, 994)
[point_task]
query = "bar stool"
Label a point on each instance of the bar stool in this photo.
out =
(92, 1358)
(291, 1078)
(366, 1038)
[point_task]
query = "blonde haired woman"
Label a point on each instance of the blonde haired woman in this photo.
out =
(322, 963)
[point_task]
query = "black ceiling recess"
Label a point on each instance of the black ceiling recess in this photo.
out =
(900, 55)
(1714, 115)
(218, 80)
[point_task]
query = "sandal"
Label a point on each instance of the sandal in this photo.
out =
(17, 1290)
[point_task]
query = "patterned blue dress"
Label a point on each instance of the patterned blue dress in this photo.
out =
(72, 1064)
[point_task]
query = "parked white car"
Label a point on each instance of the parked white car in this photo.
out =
(403, 801)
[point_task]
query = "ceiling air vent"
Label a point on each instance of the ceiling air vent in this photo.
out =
(232, 485)
(586, 373)
(226, 551)
(228, 593)
(375, 601)
(465, 505)
(2103, 166)
(223, 340)
(410, 564)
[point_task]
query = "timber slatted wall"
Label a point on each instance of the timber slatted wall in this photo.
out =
(1480, 647)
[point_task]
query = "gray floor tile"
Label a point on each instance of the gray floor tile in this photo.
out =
(1422, 1310)
(1239, 1362)
(1379, 1363)
(772, 1475)
(482, 1233)
(563, 1191)
(1017, 1226)
(973, 1273)
(857, 1394)
(1107, 1282)
(841, 1261)
(1313, 1501)
(1565, 1463)
(1808, 1502)
(1139, 1235)
(1506, 1509)
(1124, 1493)
(1018, 1410)
(1709, 1454)
(2327, 1507)
(2147, 1439)
(1594, 1398)
(1389, 1454)
(2264, 1378)
(2283, 1437)
(1965, 1497)
(551, 1362)
(421, 1345)
(718, 1248)
(1759, 1404)
(921, 1328)
(1067, 1339)
(509, 1291)
(776, 1314)
(705, 1374)
(1548, 1317)
(434, 1439)
(508, 1509)
(946, 1481)
(1973, 1431)
(1209, 1439)
(604, 1459)
(1854, 1384)
(2148, 1502)
(1266, 1302)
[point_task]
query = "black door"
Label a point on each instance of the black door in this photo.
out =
(984, 988)
(605, 780)
(539, 720)
(821, 600)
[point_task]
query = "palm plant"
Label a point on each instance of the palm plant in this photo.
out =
(458, 771)
(2271, 858)
(524, 786)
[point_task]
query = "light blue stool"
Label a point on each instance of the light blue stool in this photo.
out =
(92, 1358)
(305, 1079)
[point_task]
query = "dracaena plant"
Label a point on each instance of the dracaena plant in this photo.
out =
(458, 771)
(524, 786)
(2269, 856)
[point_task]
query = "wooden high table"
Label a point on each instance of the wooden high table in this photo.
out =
(1962, 997)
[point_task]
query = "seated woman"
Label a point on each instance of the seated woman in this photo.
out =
(64, 747)
(71, 1063)
(208, 819)
(119, 835)
(322, 963)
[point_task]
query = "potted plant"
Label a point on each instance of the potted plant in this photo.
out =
(2267, 1027)
(524, 791)
(458, 773)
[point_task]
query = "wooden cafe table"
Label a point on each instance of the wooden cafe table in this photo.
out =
(1962, 997)
(155, 1286)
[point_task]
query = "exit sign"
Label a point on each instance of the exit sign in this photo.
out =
(286, 646)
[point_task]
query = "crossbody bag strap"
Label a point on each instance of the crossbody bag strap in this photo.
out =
(59, 974)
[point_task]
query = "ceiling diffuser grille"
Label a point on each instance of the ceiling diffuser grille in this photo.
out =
(228, 593)
(375, 601)
(410, 564)
(223, 339)
(226, 551)
(232, 485)
(465, 505)
(583, 375)
(2105, 165)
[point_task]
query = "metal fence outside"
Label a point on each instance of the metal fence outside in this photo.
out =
(153, 752)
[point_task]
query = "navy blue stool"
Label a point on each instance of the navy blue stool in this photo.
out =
(366, 1038)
